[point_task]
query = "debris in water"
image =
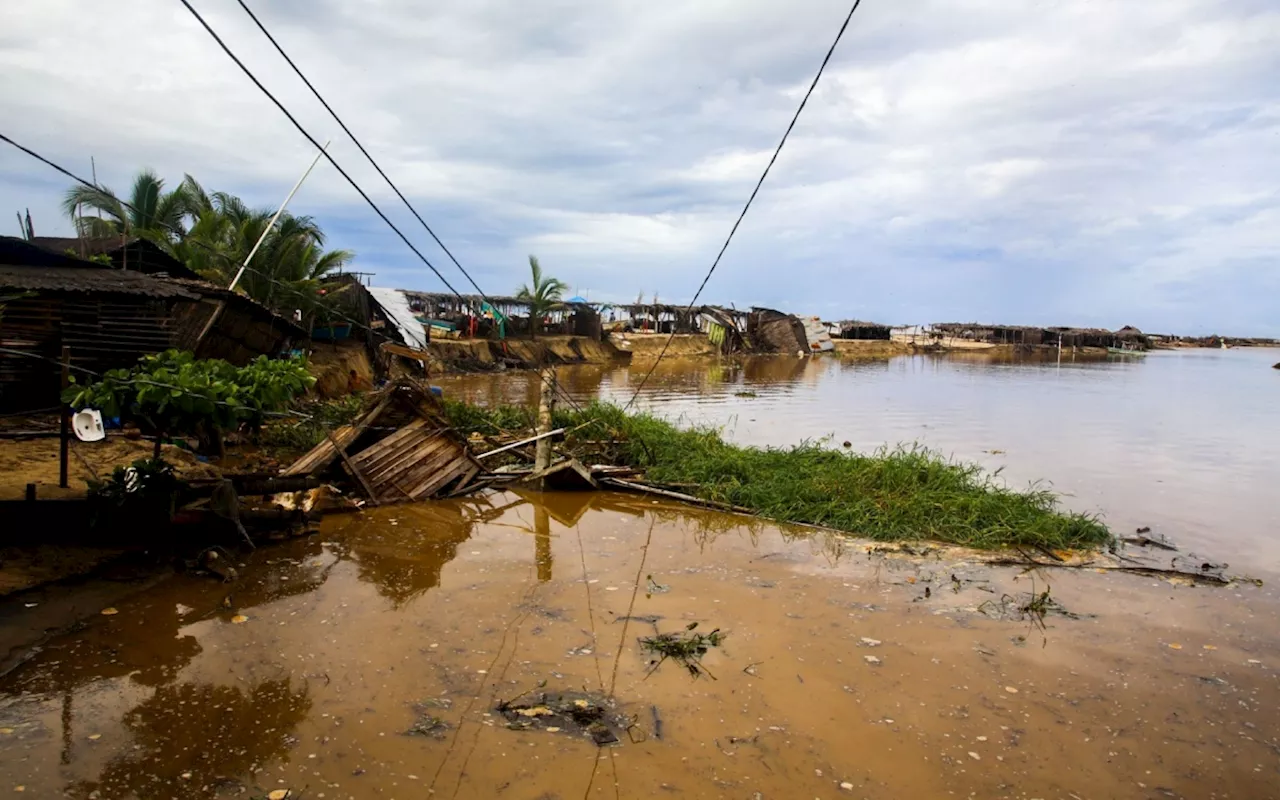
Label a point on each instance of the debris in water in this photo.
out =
(655, 587)
(974, 756)
(570, 712)
(848, 787)
(427, 725)
(870, 642)
(109, 612)
(1010, 690)
(184, 610)
(685, 648)
(1174, 646)
(278, 794)
(872, 660)
(239, 619)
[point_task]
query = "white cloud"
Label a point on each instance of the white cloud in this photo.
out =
(1104, 159)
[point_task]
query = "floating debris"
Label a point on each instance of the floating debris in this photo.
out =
(109, 612)
(426, 724)
(686, 648)
(569, 712)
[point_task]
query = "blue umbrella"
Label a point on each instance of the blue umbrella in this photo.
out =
(576, 299)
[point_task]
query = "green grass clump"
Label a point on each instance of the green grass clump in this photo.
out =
(895, 494)
(304, 434)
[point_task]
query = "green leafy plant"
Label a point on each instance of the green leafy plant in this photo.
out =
(175, 393)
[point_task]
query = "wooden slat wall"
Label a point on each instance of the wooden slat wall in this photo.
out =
(104, 332)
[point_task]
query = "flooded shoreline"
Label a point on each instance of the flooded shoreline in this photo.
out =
(1185, 442)
(838, 668)
(441, 649)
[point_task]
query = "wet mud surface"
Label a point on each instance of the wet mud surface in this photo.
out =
(430, 650)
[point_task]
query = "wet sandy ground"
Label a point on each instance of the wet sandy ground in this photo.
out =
(843, 675)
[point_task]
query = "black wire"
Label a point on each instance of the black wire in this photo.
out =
(317, 145)
(830, 51)
(347, 131)
(182, 234)
(179, 232)
(362, 149)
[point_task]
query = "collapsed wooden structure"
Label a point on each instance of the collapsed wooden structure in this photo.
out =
(773, 331)
(401, 450)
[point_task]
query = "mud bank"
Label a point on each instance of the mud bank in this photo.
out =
(872, 348)
(842, 672)
(482, 355)
(649, 345)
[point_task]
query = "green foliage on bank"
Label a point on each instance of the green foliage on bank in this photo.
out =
(895, 494)
(175, 393)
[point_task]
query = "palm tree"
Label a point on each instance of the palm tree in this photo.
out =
(150, 212)
(286, 270)
(544, 295)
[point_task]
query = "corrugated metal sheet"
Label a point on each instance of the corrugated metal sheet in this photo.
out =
(91, 279)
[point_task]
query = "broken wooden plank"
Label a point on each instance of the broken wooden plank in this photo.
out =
(355, 471)
(419, 476)
(521, 443)
(568, 475)
(441, 477)
(324, 454)
(636, 486)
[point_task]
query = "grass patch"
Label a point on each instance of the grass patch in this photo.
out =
(895, 494)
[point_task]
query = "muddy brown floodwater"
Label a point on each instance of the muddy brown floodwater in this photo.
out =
(482, 648)
(369, 661)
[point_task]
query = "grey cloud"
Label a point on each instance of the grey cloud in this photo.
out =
(987, 158)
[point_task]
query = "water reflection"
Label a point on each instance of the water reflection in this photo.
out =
(1186, 442)
(402, 551)
(193, 740)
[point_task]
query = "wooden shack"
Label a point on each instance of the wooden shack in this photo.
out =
(857, 329)
(107, 317)
(128, 253)
(773, 331)
(224, 324)
(995, 334)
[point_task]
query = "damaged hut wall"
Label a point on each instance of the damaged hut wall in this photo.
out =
(240, 333)
(586, 322)
(855, 329)
(102, 331)
(775, 332)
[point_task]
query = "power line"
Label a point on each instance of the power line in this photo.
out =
(803, 101)
(358, 144)
(234, 264)
(316, 144)
(183, 235)
(344, 174)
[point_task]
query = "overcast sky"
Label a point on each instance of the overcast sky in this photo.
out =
(1088, 162)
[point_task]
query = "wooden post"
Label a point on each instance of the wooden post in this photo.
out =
(546, 401)
(65, 431)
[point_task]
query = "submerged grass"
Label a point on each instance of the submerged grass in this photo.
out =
(894, 494)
